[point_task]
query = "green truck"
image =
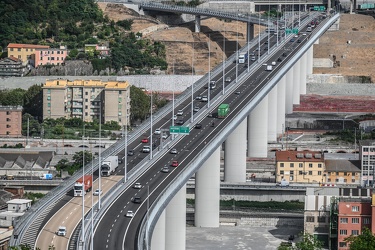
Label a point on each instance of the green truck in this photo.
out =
(223, 110)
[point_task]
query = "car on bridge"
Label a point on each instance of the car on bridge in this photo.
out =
(129, 214)
(157, 131)
(173, 151)
(180, 122)
(97, 192)
(137, 185)
(61, 231)
(137, 200)
(180, 112)
(165, 169)
(145, 140)
(174, 163)
(130, 152)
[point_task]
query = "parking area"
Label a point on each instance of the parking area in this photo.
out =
(238, 237)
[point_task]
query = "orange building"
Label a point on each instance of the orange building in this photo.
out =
(10, 121)
(354, 214)
(24, 52)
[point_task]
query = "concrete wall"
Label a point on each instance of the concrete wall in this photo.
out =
(322, 63)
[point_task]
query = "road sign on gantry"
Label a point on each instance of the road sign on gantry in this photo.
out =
(179, 130)
(184, 130)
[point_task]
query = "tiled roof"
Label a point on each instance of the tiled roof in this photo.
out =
(343, 165)
(27, 46)
(299, 156)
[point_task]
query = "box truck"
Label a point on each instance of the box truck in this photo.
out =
(242, 57)
(83, 185)
(109, 165)
(223, 110)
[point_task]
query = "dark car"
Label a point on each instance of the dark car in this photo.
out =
(279, 59)
(298, 41)
(198, 126)
(284, 54)
(180, 122)
(137, 200)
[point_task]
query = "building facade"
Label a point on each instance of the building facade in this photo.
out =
(300, 166)
(11, 66)
(342, 172)
(87, 99)
(24, 52)
(10, 121)
(354, 214)
(367, 158)
(50, 56)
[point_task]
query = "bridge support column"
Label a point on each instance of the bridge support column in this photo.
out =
(207, 192)
(281, 105)
(303, 74)
(257, 130)
(197, 24)
(279, 8)
(250, 31)
(272, 115)
(296, 82)
(175, 222)
(310, 59)
(235, 155)
(289, 91)
(158, 235)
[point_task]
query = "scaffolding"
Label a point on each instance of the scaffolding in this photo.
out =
(333, 223)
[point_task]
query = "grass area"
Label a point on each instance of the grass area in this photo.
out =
(273, 205)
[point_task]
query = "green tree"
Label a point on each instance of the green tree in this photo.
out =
(364, 241)
(33, 101)
(308, 242)
(62, 165)
(73, 53)
(140, 104)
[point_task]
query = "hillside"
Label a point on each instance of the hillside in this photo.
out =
(355, 58)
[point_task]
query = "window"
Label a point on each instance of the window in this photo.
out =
(282, 165)
(292, 165)
(310, 172)
(281, 171)
(19, 49)
(343, 232)
(319, 172)
(48, 98)
(310, 165)
(355, 208)
(86, 93)
(366, 220)
(355, 220)
(344, 220)
(300, 172)
(291, 172)
(355, 232)
(8, 119)
(11, 49)
(8, 126)
(329, 180)
(321, 219)
(353, 180)
(319, 165)
(8, 112)
(300, 165)
(120, 92)
(49, 104)
(353, 174)
(336, 180)
(345, 180)
(342, 244)
(309, 218)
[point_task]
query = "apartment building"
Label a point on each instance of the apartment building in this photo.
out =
(11, 66)
(300, 166)
(367, 158)
(24, 52)
(342, 172)
(87, 99)
(353, 215)
(50, 56)
(10, 121)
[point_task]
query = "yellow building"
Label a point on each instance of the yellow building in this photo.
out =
(24, 52)
(87, 99)
(300, 166)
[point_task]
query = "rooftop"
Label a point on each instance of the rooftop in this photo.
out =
(32, 46)
(63, 83)
(300, 156)
(343, 165)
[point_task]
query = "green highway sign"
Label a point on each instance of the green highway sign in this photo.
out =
(179, 130)
(295, 31)
(288, 31)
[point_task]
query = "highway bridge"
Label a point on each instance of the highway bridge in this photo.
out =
(249, 87)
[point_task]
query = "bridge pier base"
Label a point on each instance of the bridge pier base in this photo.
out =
(257, 130)
(197, 24)
(250, 31)
(281, 105)
(289, 92)
(235, 155)
(272, 115)
(303, 75)
(158, 235)
(207, 192)
(175, 222)
(296, 82)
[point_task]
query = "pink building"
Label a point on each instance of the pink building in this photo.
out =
(50, 56)
(354, 215)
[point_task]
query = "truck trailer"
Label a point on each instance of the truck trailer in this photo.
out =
(109, 165)
(242, 57)
(83, 185)
(223, 110)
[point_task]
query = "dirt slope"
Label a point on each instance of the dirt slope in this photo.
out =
(356, 58)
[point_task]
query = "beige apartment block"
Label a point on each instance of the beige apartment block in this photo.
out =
(87, 99)
(10, 121)
(300, 166)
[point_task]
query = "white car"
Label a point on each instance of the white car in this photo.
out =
(164, 136)
(253, 58)
(165, 169)
(137, 185)
(173, 151)
(174, 117)
(97, 191)
(146, 149)
(204, 98)
(180, 112)
(196, 109)
(157, 131)
(130, 214)
(61, 231)
(273, 63)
